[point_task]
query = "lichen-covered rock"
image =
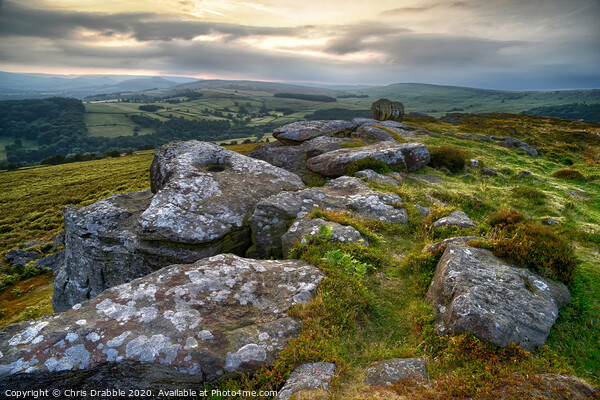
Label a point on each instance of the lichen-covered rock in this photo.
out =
(473, 291)
(455, 218)
(307, 377)
(274, 215)
(512, 142)
(453, 240)
(371, 176)
(303, 227)
(388, 372)
(217, 318)
(20, 258)
(52, 262)
(408, 156)
(204, 196)
(298, 132)
(384, 109)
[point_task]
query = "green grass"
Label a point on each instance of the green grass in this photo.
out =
(358, 318)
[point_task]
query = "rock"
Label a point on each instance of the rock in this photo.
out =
(371, 176)
(59, 241)
(453, 240)
(204, 196)
(524, 174)
(388, 372)
(473, 291)
(427, 178)
(511, 142)
(293, 158)
(481, 138)
(474, 163)
(449, 133)
(217, 318)
(408, 156)
(20, 258)
(274, 215)
(550, 221)
(307, 377)
(298, 132)
(372, 133)
(304, 227)
(424, 211)
(32, 243)
(52, 262)
(489, 171)
(455, 218)
(384, 109)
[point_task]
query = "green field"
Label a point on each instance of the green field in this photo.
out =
(358, 318)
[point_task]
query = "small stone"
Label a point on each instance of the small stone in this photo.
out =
(424, 211)
(20, 258)
(474, 163)
(550, 221)
(524, 174)
(455, 218)
(388, 372)
(489, 171)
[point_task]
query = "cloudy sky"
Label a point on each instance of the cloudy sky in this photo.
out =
(500, 44)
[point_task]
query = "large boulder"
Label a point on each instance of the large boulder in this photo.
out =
(203, 197)
(408, 156)
(20, 258)
(384, 109)
(298, 132)
(473, 291)
(173, 329)
(304, 227)
(274, 215)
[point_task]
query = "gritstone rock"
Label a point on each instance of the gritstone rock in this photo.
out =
(455, 218)
(304, 227)
(473, 291)
(408, 156)
(307, 377)
(371, 176)
(175, 328)
(298, 132)
(512, 142)
(274, 215)
(204, 196)
(384, 109)
(388, 372)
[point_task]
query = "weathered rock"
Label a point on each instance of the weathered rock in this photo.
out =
(481, 138)
(372, 133)
(473, 291)
(408, 156)
(524, 174)
(384, 109)
(20, 258)
(274, 215)
(512, 142)
(371, 176)
(427, 178)
(307, 377)
(474, 163)
(455, 218)
(453, 240)
(489, 171)
(52, 262)
(304, 227)
(31, 243)
(424, 211)
(58, 241)
(204, 196)
(217, 318)
(388, 372)
(298, 132)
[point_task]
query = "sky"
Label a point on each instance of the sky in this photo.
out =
(496, 44)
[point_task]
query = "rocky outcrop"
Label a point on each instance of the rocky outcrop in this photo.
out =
(453, 240)
(473, 291)
(53, 262)
(298, 132)
(394, 179)
(408, 156)
(20, 258)
(384, 109)
(307, 377)
(303, 227)
(202, 197)
(274, 215)
(455, 218)
(183, 325)
(388, 372)
(512, 142)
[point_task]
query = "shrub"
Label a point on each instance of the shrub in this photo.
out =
(450, 157)
(505, 218)
(113, 153)
(367, 163)
(569, 173)
(538, 248)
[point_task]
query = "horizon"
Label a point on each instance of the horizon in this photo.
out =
(498, 45)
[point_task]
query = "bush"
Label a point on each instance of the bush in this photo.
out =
(450, 157)
(506, 218)
(113, 153)
(538, 248)
(367, 163)
(569, 173)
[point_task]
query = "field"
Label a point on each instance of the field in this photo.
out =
(356, 319)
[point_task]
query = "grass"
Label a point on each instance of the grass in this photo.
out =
(379, 312)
